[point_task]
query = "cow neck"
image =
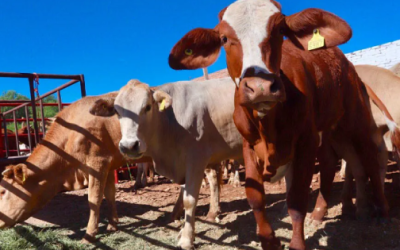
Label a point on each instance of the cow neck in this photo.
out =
(164, 134)
(48, 161)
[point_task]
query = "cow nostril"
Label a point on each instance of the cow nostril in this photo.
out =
(274, 87)
(136, 146)
(123, 149)
(248, 87)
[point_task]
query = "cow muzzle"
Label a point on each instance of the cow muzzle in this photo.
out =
(261, 93)
(132, 149)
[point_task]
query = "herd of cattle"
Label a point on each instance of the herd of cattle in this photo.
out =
(281, 108)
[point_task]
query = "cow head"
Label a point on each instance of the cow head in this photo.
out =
(136, 105)
(17, 199)
(252, 33)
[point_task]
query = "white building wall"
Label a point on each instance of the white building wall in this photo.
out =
(385, 55)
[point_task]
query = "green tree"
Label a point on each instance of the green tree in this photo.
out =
(13, 95)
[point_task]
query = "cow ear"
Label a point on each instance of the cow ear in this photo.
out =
(8, 172)
(163, 100)
(103, 107)
(20, 173)
(303, 25)
(197, 49)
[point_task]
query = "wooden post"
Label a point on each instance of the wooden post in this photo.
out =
(205, 73)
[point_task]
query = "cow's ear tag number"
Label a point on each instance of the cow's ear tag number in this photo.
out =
(162, 105)
(317, 41)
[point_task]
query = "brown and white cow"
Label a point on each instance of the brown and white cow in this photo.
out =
(79, 150)
(287, 100)
(383, 87)
(184, 128)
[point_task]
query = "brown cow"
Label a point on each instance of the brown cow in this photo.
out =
(287, 99)
(79, 150)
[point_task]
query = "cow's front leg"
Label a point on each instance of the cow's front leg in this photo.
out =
(327, 163)
(297, 196)
(139, 177)
(256, 198)
(215, 209)
(96, 186)
(177, 212)
(109, 194)
(194, 176)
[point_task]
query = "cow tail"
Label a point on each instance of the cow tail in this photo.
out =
(391, 124)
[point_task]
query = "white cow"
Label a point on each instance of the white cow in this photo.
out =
(183, 126)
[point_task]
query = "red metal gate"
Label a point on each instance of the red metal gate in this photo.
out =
(5, 138)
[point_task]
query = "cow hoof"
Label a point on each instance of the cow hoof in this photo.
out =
(317, 215)
(150, 180)
(137, 186)
(203, 184)
(363, 215)
(273, 244)
(383, 220)
(348, 211)
(112, 228)
(236, 183)
(185, 244)
(88, 239)
(213, 217)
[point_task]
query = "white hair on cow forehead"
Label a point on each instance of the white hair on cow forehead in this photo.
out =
(249, 19)
(132, 98)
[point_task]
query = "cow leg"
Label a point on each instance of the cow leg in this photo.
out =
(256, 198)
(194, 174)
(215, 209)
(139, 174)
(297, 196)
(177, 212)
(234, 176)
(355, 168)
(343, 169)
(225, 168)
(109, 193)
(328, 160)
(144, 174)
(95, 197)
(348, 207)
(151, 173)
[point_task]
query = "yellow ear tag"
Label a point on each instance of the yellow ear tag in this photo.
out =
(23, 178)
(317, 41)
(162, 105)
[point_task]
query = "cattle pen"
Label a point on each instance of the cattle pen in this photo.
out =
(13, 155)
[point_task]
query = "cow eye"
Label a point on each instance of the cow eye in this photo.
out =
(224, 39)
(282, 31)
(188, 52)
(147, 109)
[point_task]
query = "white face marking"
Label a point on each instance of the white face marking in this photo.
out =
(249, 19)
(129, 104)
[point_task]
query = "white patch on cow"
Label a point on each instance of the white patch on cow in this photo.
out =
(237, 81)
(261, 114)
(281, 172)
(129, 104)
(249, 19)
(392, 125)
(320, 138)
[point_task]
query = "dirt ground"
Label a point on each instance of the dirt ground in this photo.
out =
(144, 219)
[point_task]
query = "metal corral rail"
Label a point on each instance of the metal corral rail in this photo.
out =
(32, 103)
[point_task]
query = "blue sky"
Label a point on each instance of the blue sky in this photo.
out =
(111, 42)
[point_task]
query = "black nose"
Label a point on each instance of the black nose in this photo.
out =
(123, 149)
(135, 146)
(131, 147)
